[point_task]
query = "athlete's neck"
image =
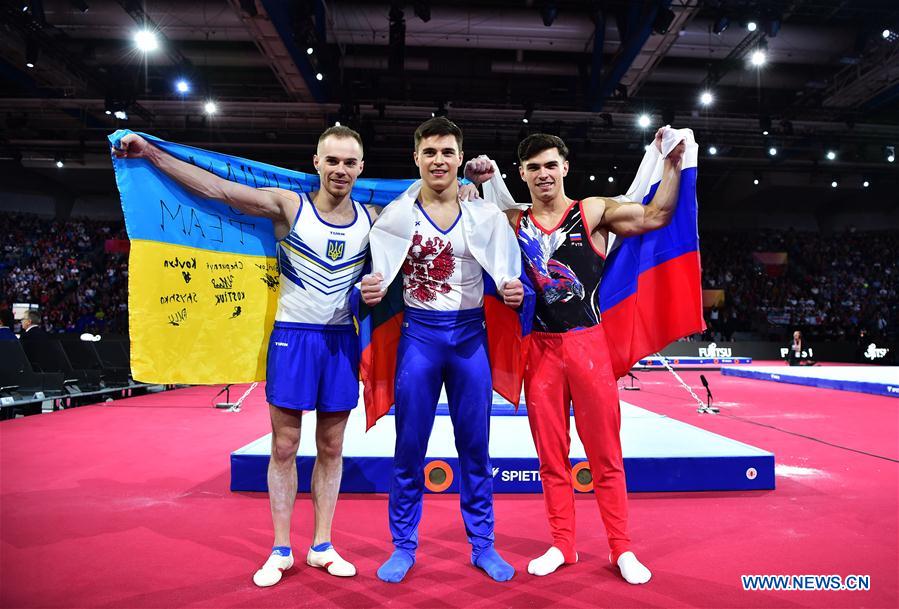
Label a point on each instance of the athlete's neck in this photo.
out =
(325, 202)
(556, 205)
(429, 196)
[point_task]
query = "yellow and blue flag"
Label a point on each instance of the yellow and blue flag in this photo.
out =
(203, 277)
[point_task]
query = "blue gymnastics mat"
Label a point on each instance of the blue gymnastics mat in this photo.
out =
(878, 380)
(660, 454)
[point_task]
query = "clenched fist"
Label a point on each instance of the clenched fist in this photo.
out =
(513, 293)
(371, 289)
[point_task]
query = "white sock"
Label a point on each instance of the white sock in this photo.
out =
(549, 562)
(270, 573)
(632, 570)
(331, 561)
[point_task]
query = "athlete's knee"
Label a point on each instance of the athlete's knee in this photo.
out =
(329, 449)
(284, 447)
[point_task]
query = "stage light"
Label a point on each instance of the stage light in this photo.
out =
(182, 86)
(611, 179)
(831, 155)
(310, 51)
(706, 98)
(755, 181)
(758, 58)
(885, 34)
(337, 123)
(210, 108)
(713, 150)
(504, 176)
(146, 41)
(891, 154)
(549, 12)
(319, 76)
(752, 26)
(108, 112)
(525, 121)
(592, 178)
(866, 183)
(834, 184)
(32, 52)
(720, 25)
(643, 121)
(121, 115)
(772, 151)
(59, 163)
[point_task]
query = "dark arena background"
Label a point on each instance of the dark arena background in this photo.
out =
(759, 475)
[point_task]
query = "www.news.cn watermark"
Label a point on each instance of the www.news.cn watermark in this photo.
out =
(806, 582)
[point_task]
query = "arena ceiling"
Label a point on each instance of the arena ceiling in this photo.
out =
(585, 70)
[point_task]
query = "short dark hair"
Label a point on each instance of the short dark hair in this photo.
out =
(439, 125)
(33, 316)
(340, 131)
(536, 143)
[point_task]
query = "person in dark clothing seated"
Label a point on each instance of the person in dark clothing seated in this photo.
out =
(31, 327)
(799, 353)
(6, 323)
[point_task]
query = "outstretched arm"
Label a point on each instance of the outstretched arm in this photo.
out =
(267, 202)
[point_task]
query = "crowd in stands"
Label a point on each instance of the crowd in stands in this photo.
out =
(831, 287)
(62, 266)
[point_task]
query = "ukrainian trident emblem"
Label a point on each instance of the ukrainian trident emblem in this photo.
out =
(335, 249)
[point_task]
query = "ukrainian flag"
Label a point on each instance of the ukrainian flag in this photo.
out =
(203, 277)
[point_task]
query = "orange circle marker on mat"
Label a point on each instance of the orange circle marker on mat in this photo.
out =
(438, 476)
(582, 477)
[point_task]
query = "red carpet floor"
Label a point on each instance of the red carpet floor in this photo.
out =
(127, 505)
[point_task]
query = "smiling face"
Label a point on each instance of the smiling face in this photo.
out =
(338, 163)
(544, 174)
(438, 159)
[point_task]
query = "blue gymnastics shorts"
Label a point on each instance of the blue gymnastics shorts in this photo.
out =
(313, 367)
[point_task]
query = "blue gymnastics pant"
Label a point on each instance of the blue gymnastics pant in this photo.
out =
(437, 348)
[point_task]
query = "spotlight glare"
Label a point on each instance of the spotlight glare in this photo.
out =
(758, 58)
(772, 151)
(504, 176)
(524, 120)
(713, 150)
(765, 132)
(611, 179)
(834, 184)
(146, 41)
(108, 112)
(337, 123)
(182, 86)
(592, 177)
(866, 183)
(706, 98)
(310, 51)
(643, 121)
(752, 26)
(891, 153)
(755, 181)
(885, 34)
(891, 158)
(210, 107)
(121, 115)
(831, 155)
(29, 64)
(60, 164)
(319, 76)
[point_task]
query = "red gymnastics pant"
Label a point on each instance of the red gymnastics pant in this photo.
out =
(575, 368)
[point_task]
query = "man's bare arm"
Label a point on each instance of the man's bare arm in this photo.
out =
(631, 218)
(264, 202)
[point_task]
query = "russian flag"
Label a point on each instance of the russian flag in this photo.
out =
(651, 291)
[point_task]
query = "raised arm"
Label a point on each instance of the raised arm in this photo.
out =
(274, 203)
(631, 218)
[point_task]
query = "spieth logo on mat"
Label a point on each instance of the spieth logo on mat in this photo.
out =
(713, 351)
(874, 352)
